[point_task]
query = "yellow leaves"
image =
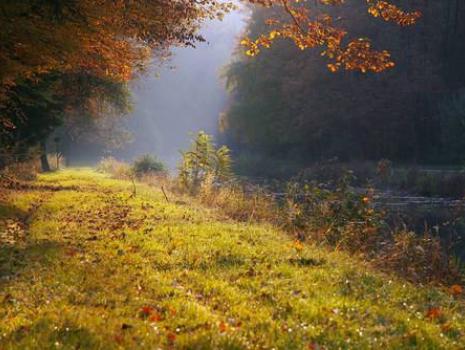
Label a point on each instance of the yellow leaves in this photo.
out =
(359, 55)
(251, 53)
(273, 34)
(333, 67)
(319, 30)
(390, 12)
(373, 11)
(253, 47)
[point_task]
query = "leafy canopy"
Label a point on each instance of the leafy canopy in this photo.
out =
(114, 40)
(310, 26)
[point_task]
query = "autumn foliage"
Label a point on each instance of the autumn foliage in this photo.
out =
(309, 26)
(113, 41)
(109, 38)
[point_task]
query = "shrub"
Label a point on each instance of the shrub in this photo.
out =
(114, 167)
(331, 213)
(419, 258)
(339, 217)
(21, 171)
(237, 203)
(147, 165)
(203, 161)
(336, 215)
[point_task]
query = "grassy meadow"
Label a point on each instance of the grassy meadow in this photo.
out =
(85, 264)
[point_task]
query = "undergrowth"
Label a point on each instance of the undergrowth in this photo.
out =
(333, 215)
(91, 266)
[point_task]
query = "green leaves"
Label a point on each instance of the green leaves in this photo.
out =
(203, 161)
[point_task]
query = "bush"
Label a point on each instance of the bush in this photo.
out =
(114, 167)
(146, 165)
(21, 171)
(419, 258)
(204, 162)
(336, 215)
(238, 203)
(339, 216)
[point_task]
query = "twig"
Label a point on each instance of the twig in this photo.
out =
(164, 193)
(133, 187)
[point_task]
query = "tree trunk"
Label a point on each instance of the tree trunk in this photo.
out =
(43, 157)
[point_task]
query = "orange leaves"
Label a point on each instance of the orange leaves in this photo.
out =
(390, 12)
(434, 313)
(313, 346)
(332, 67)
(155, 317)
(151, 314)
(223, 327)
(146, 311)
(456, 290)
(106, 38)
(171, 337)
(318, 30)
(359, 55)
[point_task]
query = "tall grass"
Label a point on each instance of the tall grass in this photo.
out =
(342, 219)
(335, 216)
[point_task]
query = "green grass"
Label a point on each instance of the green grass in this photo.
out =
(84, 265)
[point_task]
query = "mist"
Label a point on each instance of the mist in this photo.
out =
(184, 95)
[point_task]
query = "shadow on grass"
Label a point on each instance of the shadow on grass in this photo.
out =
(18, 259)
(10, 211)
(46, 334)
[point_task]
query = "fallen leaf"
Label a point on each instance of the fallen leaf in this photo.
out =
(155, 317)
(313, 346)
(146, 311)
(223, 327)
(433, 313)
(456, 290)
(171, 337)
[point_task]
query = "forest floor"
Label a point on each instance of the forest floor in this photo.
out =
(86, 265)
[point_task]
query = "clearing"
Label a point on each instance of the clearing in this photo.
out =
(85, 265)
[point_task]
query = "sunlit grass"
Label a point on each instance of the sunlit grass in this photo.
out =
(100, 268)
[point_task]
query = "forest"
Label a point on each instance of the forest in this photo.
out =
(288, 105)
(222, 174)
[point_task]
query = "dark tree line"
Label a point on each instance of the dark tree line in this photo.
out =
(287, 104)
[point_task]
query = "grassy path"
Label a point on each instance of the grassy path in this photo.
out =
(83, 265)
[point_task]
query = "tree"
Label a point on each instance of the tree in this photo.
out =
(114, 40)
(286, 104)
(310, 26)
(73, 101)
(107, 39)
